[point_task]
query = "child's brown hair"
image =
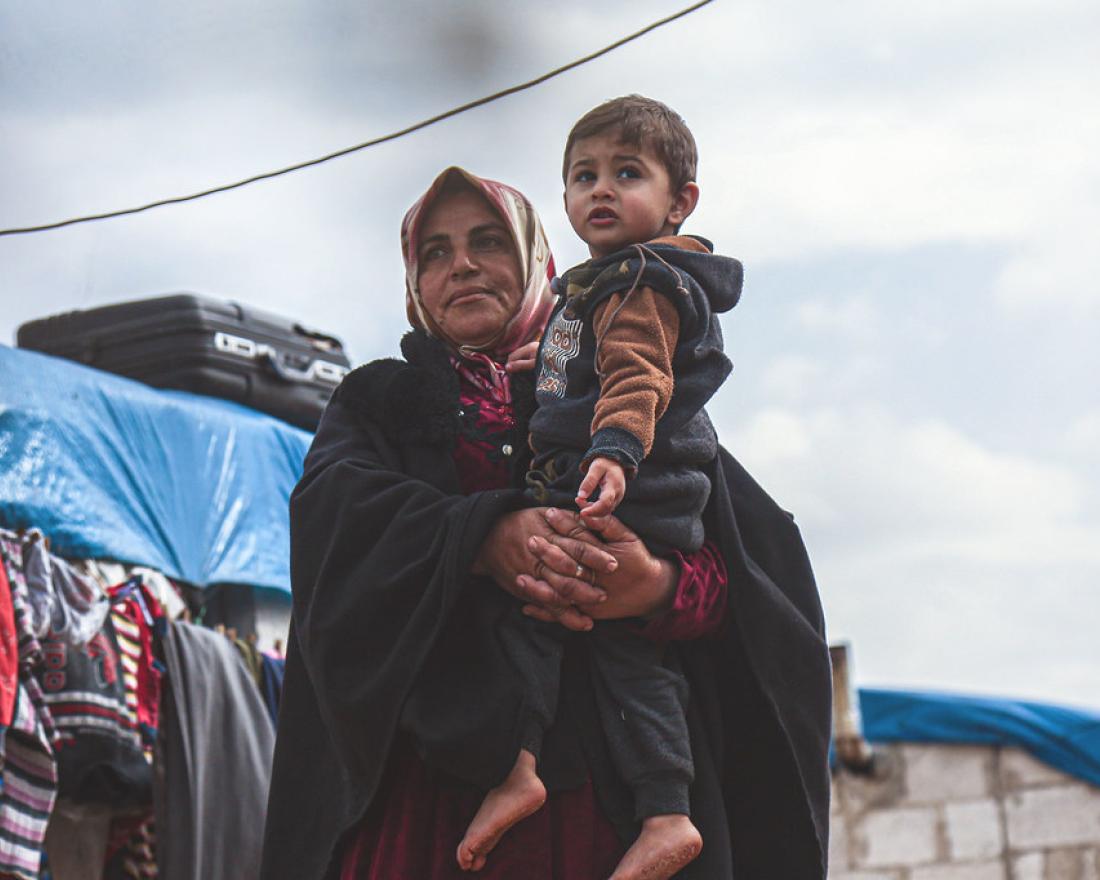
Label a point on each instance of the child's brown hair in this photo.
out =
(642, 121)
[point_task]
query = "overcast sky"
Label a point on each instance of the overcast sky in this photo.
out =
(913, 188)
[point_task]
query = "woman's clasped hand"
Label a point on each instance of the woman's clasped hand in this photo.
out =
(574, 571)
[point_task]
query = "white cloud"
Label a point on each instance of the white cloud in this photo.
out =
(791, 377)
(1059, 268)
(939, 557)
(1083, 436)
(891, 474)
(843, 176)
(854, 317)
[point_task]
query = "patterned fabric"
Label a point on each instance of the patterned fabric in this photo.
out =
(532, 248)
(487, 431)
(128, 635)
(103, 696)
(131, 848)
(699, 606)
(30, 785)
(98, 747)
(29, 769)
(134, 613)
(9, 655)
(11, 552)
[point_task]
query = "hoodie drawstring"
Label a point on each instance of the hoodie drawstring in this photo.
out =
(642, 251)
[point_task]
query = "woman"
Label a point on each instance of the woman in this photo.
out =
(406, 543)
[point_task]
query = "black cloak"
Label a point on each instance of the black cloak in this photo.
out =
(381, 547)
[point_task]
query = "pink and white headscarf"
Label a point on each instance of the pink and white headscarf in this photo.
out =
(532, 248)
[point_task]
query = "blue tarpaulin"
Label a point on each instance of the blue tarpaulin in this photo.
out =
(1068, 739)
(110, 468)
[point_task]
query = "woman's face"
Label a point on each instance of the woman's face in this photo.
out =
(468, 270)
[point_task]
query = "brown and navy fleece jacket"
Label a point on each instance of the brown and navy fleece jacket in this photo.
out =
(630, 357)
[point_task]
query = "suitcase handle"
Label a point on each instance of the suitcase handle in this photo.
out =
(316, 370)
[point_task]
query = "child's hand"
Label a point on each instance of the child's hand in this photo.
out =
(609, 476)
(523, 358)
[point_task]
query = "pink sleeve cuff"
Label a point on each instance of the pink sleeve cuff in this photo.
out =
(699, 606)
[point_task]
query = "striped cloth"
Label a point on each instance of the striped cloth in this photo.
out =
(134, 615)
(29, 771)
(128, 636)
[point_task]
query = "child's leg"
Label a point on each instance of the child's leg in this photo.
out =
(462, 711)
(534, 650)
(642, 706)
(520, 795)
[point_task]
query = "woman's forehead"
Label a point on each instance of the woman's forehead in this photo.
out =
(457, 213)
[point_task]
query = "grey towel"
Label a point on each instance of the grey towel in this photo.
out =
(213, 761)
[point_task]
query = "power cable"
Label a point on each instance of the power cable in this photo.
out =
(378, 140)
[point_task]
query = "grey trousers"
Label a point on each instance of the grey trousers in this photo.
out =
(641, 697)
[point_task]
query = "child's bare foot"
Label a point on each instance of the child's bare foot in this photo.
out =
(666, 844)
(517, 797)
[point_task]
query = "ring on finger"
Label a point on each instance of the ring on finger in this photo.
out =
(579, 571)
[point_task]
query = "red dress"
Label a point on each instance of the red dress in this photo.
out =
(418, 818)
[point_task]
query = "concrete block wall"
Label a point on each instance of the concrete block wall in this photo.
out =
(947, 812)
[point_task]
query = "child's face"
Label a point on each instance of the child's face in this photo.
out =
(618, 194)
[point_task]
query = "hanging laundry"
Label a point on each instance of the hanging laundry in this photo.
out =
(41, 600)
(29, 773)
(131, 848)
(108, 768)
(214, 756)
(136, 615)
(29, 786)
(162, 589)
(65, 603)
(9, 656)
(81, 688)
(100, 753)
(108, 574)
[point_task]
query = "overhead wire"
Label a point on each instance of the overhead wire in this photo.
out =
(417, 126)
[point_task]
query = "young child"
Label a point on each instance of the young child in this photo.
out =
(630, 356)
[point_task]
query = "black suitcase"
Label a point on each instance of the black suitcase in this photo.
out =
(208, 346)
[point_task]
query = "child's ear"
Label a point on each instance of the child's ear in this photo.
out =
(683, 203)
